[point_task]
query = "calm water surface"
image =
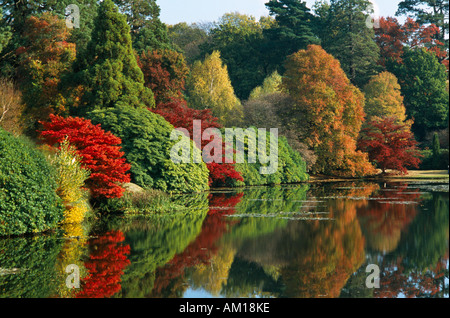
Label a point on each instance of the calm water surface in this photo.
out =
(301, 241)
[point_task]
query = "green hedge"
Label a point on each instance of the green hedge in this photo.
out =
(147, 145)
(28, 200)
(291, 166)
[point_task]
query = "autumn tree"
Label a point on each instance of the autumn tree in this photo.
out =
(345, 35)
(165, 73)
(384, 98)
(328, 111)
(392, 38)
(390, 145)
(44, 58)
(100, 153)
(423, 83)
(428, 12)
(270, 85)
(108, 73)
(427, 36)
(20, 11)
(209, 87)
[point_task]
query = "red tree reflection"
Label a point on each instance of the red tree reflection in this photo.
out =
(387, 215)
(200, 251)
(108, 259)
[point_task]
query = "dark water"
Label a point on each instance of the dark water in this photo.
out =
(300, 241)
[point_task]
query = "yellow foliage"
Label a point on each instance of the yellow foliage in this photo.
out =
(70, 179)
(384, 98)
(73, 251)
(209, 86)
(75, 214)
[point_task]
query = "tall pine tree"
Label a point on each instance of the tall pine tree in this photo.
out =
(108, 73)
(292, 31)
(346, 35)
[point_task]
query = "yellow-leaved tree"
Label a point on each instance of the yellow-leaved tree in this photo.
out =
(209, 87)
(270, 85)
(384, 98)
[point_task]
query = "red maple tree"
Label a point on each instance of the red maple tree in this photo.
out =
(392, 37)
(390, 145)
(99, 151)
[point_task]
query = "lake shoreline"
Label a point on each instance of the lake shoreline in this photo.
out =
(412, 175)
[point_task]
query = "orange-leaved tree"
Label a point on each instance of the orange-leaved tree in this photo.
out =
(328, 112)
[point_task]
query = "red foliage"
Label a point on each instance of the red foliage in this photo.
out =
(179, 115)
(219, 173)
(108, 259)
(391, 37)
(99, 151)
(164, 72)
(391, 145)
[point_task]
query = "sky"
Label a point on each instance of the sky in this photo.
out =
(190, 11)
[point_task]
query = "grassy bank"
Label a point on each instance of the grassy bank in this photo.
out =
(432, 175)
(420, 175)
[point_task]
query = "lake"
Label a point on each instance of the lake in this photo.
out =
(311, 240)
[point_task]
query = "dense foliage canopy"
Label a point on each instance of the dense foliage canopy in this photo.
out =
(146, 141)
(28, 200)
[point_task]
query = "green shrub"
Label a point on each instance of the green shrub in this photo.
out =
(147, 145)
(28, 199)
(35, 261)
(291, 167)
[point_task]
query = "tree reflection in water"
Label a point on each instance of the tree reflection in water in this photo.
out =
(107, 261)
(292, 241)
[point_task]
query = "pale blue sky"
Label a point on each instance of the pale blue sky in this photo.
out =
(175, 11)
